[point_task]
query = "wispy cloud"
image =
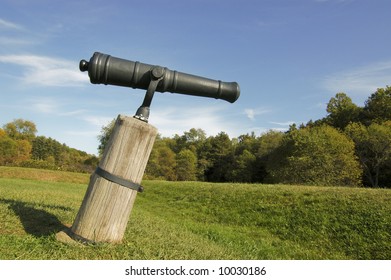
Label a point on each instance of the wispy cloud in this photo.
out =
(55, 107)
(172, 120)
(46, 106)
(5, 24)
(281, 126)
(333, 1)
(252, 113)
(288, 123)
(73, 113)
(46, 71)
(211, 119)
(15, 35)
(97, 121)
(14, 41)
(360, 81)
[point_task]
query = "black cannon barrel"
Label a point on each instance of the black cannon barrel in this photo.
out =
(109, 70)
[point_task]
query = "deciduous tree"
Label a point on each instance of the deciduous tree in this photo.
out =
(21, 129)
(373, 147)
(186, 165)
(319, 156)
(342, 111)
(378, 106)
(220, 157)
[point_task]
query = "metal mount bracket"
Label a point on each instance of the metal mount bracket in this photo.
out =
(157, 74)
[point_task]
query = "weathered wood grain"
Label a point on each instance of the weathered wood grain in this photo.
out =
(106, 207)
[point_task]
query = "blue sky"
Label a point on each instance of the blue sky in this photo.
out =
(289, 57)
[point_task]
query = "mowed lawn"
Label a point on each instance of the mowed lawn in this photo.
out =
(197, 220)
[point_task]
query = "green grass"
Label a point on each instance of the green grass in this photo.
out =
(195, 220)
(43, 175)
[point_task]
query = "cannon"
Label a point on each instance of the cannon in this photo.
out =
(112, 190)
(109, 70)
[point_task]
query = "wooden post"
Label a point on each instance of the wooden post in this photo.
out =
(106, 207)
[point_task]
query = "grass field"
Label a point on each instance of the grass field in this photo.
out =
(195, 220)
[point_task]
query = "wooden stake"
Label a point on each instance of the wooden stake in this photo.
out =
(106, 207)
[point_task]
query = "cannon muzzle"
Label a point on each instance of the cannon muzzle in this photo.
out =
(109, 70)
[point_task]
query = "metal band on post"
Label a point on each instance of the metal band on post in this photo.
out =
(118, 180)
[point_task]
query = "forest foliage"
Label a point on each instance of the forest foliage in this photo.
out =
(20, 146)
(351, 146)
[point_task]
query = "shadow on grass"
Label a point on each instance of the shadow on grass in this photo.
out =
(35, 221)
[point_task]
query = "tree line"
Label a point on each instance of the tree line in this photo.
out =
(20, 146)
(351, 146)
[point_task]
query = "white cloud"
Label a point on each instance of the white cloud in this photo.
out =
(288, 123)
(282, 126)
(211, 119)
(5, 24)
(50, 106)
(47, 71)
(252, 113)
(84, 133)
(360, 81)
(97, 121)
(12, 41)
(47, 106)
(15, 35)
(73, 113)
(55, 107)
(337, 1)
